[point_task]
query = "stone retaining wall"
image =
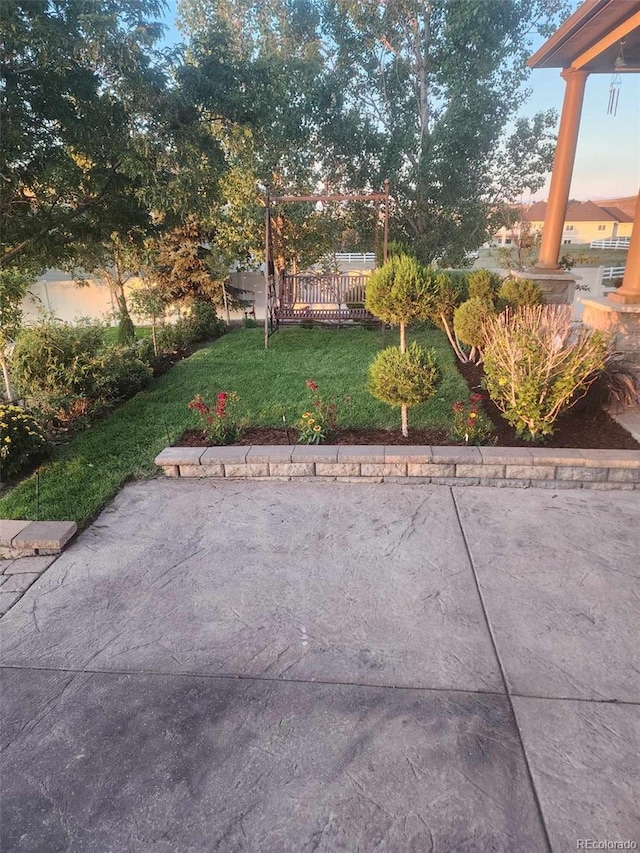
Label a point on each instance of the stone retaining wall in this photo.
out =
(458, 466)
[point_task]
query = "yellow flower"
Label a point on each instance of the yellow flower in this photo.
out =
(473, 415)
(311, 421)
(306, 414)
(317, 429)
(8, 440)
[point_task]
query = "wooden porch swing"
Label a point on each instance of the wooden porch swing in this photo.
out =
(330, 298)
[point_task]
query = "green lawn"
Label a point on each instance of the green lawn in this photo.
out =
(91, 468)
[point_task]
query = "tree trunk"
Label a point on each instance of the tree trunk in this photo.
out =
(126, 329)
(405, 420)
(462, 357)
(7, 381)
(403, 340)
(154, 338)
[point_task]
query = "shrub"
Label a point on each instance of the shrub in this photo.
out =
(617, 387)
(205, 323)
(518, 292)
(537, 365)
(65, 371)
(448, 289)
(404, 379)
(22, 442)
(119, 373)
(469, 319)
(220, 425)
(201, 324)
(484, 285)
(399, 293)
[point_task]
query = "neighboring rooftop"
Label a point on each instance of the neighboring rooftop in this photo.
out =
(579, 211)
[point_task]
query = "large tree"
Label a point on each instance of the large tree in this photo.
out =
(257, 70)
(89, 120)
(440, 83)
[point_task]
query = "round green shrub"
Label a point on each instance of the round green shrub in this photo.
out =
(22, 442)
(484, 285)
(469, 319)
(404, 379)
(398, 292)
(517, 292)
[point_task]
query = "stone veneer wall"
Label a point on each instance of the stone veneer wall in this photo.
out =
(453, 466)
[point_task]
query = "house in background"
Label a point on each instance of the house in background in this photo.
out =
(584, 222)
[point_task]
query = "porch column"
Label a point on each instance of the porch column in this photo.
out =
(562, 169)
(629, 291)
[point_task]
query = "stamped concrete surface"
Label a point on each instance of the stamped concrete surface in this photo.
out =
(560, 576)
(321, 667)
(259, 766)
(585, 760)
(323, 582)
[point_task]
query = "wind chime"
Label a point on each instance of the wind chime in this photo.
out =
(616, 82)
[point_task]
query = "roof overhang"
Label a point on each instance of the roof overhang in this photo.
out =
(591, 39)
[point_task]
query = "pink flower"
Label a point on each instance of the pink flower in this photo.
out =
(312, 385)
(457, 407)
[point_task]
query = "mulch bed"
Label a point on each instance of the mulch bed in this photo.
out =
(581, 426)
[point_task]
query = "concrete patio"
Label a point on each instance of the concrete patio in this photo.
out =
(298, 666)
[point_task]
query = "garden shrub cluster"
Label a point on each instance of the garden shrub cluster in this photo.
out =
(537, 364)
(63, 371)
(202, 323)
(22, 441)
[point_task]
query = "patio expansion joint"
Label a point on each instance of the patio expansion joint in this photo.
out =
(241, 677)
(503, 675)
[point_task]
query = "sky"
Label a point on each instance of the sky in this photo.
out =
(607, 161)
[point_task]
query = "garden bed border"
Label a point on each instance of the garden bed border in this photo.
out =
(453, 466)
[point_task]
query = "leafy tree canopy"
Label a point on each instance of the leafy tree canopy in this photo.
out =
(92, 130)
(439, 82)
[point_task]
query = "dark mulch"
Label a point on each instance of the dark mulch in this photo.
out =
(581, 426)
(269, 435)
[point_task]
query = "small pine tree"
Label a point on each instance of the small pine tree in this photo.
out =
(404, 379)
(398, 293)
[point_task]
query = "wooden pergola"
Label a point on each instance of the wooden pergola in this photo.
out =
(323, 295)
(601, 37)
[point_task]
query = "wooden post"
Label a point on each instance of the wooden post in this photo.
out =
(385, 245)
(562, 170)
(267, 264)
(629, 292)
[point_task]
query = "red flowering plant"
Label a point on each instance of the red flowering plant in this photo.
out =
(470, 424)
(220, 424)
(320, 421)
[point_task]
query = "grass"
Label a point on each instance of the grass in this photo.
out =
(111, 333)
(88, 471)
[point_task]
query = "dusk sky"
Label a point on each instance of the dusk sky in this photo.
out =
(608, 157)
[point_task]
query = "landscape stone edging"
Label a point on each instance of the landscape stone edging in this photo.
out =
(517, 467)
(25, 538)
